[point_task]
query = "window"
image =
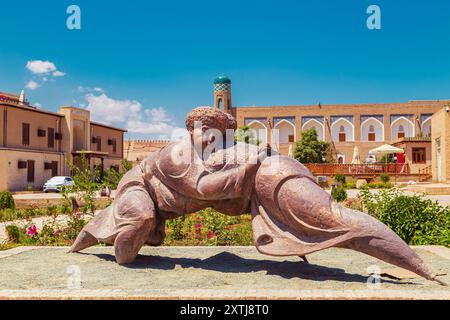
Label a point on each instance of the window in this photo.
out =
(401, 132)
(371, 134)
(54, 168)
(291, 138)
(342, 137)
(418, 155)
(26, 134)
(99, 143)
(114, 145)
(51, 137)
(30, 172)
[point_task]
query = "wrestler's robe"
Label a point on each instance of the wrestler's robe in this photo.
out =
(172, 182)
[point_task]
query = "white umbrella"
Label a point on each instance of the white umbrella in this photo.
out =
(290, 153)
(386, 149)
(356, 157)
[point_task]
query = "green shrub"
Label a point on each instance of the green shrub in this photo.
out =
(418, 221)
(379, 185)
(339, 194)
(339, 178)
(385, 177)
(7, 200)
(8, 215)
(13, 232)
(350, 185)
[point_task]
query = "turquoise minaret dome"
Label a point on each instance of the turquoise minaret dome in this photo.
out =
(222, 93)
(222, 79)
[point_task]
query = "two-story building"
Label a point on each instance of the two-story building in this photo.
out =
(36, 145)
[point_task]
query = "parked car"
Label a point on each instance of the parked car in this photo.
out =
(57, 183)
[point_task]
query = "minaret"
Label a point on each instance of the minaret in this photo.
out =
(21, 98)
(222, 93)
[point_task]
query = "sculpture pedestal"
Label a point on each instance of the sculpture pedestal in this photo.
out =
(208, 273)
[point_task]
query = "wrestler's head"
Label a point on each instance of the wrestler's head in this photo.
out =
(200, 120)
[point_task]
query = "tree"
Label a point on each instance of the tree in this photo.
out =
(247, 135)
(86, 184)
(310, 150)
(113, 176)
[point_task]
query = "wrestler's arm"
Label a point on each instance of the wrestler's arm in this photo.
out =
(229, 183)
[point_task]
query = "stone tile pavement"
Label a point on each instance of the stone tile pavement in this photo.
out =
(211, 273)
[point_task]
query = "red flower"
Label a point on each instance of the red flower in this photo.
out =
(198, 226)
(31, 231)
(211, 235)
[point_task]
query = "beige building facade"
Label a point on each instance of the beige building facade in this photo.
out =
(344, 126)
(440, 145)
(36, 144)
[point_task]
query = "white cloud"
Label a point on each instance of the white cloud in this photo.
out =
(109, 110)
(129, 114)
(83, 89)
(58, 74)
(41, 67)
(157, 114)
(44, 69)
(37, 105)
(32, 85)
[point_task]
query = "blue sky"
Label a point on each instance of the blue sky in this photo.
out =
(144, 64)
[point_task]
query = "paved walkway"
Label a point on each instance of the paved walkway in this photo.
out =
(211, 272)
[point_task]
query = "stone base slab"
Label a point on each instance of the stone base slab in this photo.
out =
(211, 273)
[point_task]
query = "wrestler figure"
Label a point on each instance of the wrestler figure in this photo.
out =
(291, 214)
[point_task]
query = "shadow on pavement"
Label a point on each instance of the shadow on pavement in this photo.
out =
(230, 263)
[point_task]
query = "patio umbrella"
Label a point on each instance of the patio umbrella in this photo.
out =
(290, 153)
(386, 149)
(356, 157)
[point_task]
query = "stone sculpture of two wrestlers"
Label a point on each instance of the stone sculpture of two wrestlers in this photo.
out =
(291, 214)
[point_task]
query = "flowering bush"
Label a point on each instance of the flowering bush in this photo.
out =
(52, 233)
(209, 227)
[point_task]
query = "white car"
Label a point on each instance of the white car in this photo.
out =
(57, 183)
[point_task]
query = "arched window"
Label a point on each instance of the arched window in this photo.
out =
(342, 137)
(219, 104)
(371, 133)
(401, 132)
